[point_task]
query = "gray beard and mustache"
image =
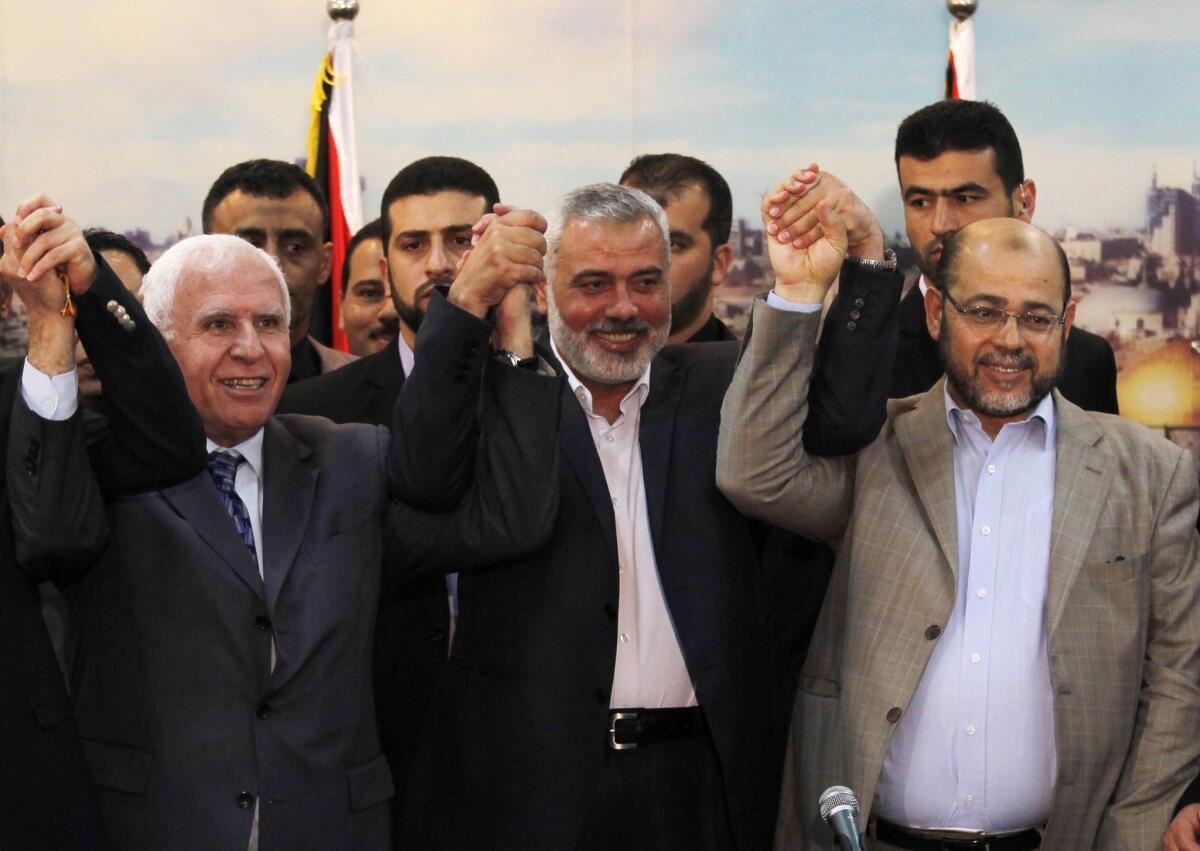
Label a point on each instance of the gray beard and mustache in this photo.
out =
(998, 403)
(588, 360)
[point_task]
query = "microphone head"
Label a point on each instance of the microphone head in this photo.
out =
(837, 798)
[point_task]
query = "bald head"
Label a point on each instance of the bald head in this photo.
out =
(995, 244)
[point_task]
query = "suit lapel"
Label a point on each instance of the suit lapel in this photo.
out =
(654, 440)
(1082, 473)
(386, 375)
(928, 447)
(575, 439)
(578, 448)
(289, 483)
(198, 502)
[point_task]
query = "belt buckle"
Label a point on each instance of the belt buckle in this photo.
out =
(612, 731)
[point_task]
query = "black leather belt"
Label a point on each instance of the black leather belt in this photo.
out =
(632, 728)
(942, 840)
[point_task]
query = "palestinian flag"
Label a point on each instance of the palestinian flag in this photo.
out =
(960, 67)
(333, 156)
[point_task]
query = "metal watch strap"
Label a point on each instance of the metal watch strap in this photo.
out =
(887, 264)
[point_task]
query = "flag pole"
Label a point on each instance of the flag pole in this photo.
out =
(960, 66)
(333, 148)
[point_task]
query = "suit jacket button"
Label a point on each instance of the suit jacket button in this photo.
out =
(263, 623)
(894, 714)
(851, 325)
(860, 291)
(933, 632)
(854, 314)
(245, 800)
(263, 711)
(858, 302)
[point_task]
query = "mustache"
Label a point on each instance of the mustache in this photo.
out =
(1020, 360)
(385, 328)
(629, 326)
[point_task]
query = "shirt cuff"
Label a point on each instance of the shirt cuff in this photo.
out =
(54, 398)
(781, 303)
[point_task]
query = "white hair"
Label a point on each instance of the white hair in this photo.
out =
(199, 258)
(602, 202)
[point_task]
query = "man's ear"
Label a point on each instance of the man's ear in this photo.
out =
(721, 262)
(539, 292)
(933, 311)
(1025, 200)
(326, 263)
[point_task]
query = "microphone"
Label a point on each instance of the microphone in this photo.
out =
(839, 810)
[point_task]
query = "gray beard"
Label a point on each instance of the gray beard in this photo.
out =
(997, 404)
(588, 361)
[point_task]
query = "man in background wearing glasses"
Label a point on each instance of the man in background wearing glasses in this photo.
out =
(1008, 655)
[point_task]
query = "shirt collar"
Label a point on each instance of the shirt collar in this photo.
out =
(250, 449)
(1042, 420)
(406, 354)
(924, 284)
(640, 389)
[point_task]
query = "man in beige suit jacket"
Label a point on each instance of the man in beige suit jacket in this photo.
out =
(1118, 631)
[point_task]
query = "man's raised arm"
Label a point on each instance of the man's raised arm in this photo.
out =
(761, 463)
(154, 437)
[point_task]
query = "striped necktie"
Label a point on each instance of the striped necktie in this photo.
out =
(222, 466)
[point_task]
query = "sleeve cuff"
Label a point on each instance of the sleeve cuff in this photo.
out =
(780, 303)
(54, 398)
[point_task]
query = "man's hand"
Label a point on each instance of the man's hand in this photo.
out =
(42, 249)
(514, 326)
(804, 273)
(507, 250)
(790, 213)
(39, 240)
(1184, 830)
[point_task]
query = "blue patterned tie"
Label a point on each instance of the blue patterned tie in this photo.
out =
(222, 466)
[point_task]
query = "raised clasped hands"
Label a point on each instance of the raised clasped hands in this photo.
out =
(808, 237)
(42, 249)
(507, 249)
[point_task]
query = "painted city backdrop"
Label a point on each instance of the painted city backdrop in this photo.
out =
(126, 111)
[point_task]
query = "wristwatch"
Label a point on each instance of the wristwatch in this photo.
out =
(511, 358)
(887, 264)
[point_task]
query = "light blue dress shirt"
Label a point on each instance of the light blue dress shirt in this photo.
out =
(976, 747)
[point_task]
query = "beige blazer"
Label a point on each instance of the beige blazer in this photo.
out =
(1122, 610)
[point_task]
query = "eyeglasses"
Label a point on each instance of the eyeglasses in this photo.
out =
(993, 318)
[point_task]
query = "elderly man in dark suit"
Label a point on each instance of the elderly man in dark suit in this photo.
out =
(46, 797)
(222, 643)
(615, 688)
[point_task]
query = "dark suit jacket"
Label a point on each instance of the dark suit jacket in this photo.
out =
(514, 741)
(56, 527)
(185, 725)
(1089, 377)
(412, 630)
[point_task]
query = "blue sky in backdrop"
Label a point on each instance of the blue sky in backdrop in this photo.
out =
(127, 110)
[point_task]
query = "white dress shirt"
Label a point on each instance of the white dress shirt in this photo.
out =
(650, 671)
(976, 748)
(248, 484)
(54, 398)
